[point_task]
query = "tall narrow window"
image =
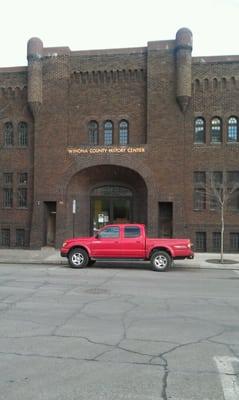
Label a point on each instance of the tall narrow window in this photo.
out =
(108, 133)
(216, 130)
(5, 237)
(123, 132)
(7, 190)
(199, 178)
(199, 198)
(93, 133)
(234, 241)
(23, 178)
(8, 178)
(232, 130)
(22, 197)
(216, 185)
(216, 241)
(20, 238)
(7, 198)
(8, 134)
(232, 179)
(199, 130)
(201, 241)
(22, 134)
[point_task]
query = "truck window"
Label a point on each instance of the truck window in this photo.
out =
(110, 232)
(131, 231)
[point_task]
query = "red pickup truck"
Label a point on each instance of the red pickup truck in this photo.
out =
(125, 241)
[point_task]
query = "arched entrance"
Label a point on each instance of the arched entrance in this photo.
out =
(105, 194)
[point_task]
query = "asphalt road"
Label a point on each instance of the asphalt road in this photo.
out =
(112, 333)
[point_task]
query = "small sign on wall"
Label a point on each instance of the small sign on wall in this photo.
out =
(100, 218)
(73, 206)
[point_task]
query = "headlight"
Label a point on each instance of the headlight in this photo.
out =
(64, 244)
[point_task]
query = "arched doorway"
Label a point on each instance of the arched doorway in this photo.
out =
(105, 194)
(110, 204)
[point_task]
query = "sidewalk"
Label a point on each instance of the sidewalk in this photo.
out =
(49, 255)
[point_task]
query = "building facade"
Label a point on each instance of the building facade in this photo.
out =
(96, 137)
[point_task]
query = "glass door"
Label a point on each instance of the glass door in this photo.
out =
(100, 211)
(110, 204)
(121, 210)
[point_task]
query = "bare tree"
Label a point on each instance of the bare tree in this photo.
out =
(221, 192)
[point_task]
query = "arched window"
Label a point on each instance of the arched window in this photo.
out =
(93, 133)
(22, 134)
(123, 132)
(8, 134)
(199, 130)
(232, 129)
(216, 130)
(108, 133)
(215, 83)
(112, 191)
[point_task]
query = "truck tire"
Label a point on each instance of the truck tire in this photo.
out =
(160, 260)
(78, 258)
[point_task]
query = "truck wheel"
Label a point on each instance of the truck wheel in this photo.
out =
(160, 261)
(78, 258)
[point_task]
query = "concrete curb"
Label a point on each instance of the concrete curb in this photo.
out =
(50, 256)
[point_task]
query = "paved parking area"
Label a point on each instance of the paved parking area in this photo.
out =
(110, 332)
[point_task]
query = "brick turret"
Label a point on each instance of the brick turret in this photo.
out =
(184, 67)
(34, 55)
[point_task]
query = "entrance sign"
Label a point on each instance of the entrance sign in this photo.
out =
(106, 150)
(101, 218)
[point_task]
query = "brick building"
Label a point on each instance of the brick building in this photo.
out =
(92, 137)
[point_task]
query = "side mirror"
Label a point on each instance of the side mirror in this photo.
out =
(96, 233)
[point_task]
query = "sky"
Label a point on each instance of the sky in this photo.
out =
(107, 24)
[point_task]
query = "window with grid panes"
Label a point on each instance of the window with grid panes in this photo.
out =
(199, 199)
(216, 182)
(23, 178)
(108, 133)
(20, 237)
(123, 132)
(233, 185)
(216, 130)
(22, 197)
(8, 178)
(234, 241)
(5, 237)
(8, 134)
(201, 241)
(232, 129)
(22, 134)
(93, 133)
(7, 198)
(199, 130)
(216, 241)
(199, 177)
